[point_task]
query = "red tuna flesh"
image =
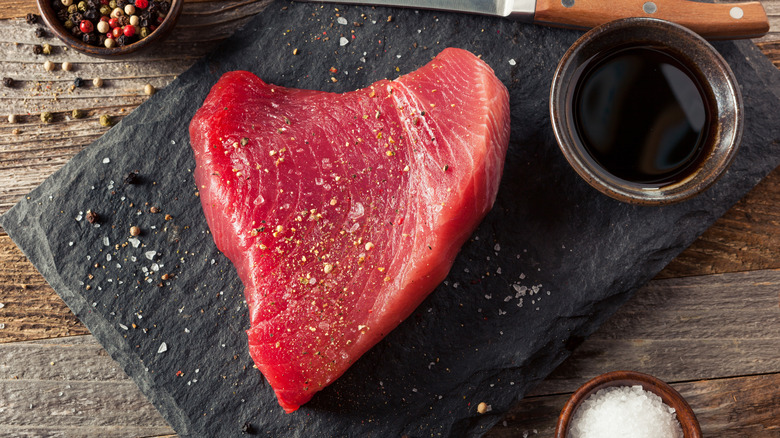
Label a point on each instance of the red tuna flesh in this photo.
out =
(342, 212)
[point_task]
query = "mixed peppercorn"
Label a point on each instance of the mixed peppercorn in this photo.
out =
(111, 23)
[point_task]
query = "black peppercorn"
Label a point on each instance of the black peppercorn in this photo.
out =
(78, 82)
(92, 15)
(31, 18)
(37, 49)
(122, 40)
(62, 14)
(90, 38)
(165, 7)
(57, 5)
(8, 82)
(122, 3)
(248, 429)
(76, 32)
(39, 32)
(132, 178)
(76, 17)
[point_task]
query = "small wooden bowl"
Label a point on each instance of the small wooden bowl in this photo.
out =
(56, 26)
(688, 421)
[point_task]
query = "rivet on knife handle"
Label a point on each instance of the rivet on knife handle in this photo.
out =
(710, 20)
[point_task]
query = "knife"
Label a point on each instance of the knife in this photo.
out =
(710, 20)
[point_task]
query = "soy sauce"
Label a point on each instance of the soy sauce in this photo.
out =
(642, 115)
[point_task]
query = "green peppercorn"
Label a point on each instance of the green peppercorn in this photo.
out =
(105, 120)
(72, 9)
(83, 6)
(112, 4)
(105, 10)
(144, 32)
(47, 49)
(46, 117)
(68, 24)
(77, 114)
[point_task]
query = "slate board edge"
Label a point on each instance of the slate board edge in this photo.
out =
(134, 368)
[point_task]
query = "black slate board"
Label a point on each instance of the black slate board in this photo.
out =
(549, 264)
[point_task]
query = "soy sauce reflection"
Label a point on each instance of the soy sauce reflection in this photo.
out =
(641, 115)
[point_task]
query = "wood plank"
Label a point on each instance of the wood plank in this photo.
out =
(746, 238)
(681, 329)
(30, 308)
(735, 407)
(70, 388)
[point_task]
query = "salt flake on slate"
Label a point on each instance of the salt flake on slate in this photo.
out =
(343, 41)
(123, 327)
(163, 348)
(342, 20)
(106, 242)
(134, 241)
(150, 254)
(106, 160)
(512, 62)
(497, 247)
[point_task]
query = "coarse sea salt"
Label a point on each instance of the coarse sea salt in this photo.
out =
(625, 412)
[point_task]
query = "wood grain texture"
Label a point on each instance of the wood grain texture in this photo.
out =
(30, 308)
(70, 388)
(711, 21)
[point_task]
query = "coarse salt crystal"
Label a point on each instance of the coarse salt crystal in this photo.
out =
(625, 411)
(150, 254)
(512, 62)
(163, 348)
(343, 41)
(342, 20)
(106, 160)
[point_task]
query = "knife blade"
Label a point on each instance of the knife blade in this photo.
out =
(710, 20)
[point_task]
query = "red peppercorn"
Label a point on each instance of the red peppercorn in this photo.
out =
(104, 18)
(113, 22)
(129, 30)
(116, 32)
(141, 4)
(152, 27)
(86, 26)
(105, 2)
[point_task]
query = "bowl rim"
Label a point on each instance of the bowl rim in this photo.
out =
(670, 396)
(708, 65)
(54, 24)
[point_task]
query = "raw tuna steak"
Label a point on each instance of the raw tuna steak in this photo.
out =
(342, 212)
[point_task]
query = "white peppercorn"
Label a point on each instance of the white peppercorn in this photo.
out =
(48, 66)
(97, 82)
(66, 66)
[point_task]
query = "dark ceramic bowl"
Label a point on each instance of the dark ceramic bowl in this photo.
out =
(56, 26)
(720, 93)
(690, 426)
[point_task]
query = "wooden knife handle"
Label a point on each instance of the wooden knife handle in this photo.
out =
(710, 20)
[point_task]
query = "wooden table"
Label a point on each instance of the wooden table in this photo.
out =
(709, 323)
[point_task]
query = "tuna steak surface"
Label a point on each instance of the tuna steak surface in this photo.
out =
(342, 212)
